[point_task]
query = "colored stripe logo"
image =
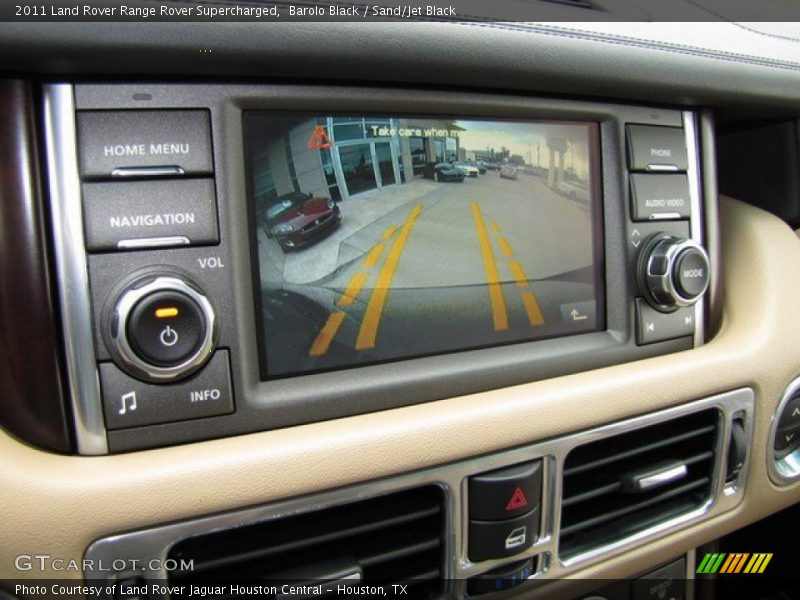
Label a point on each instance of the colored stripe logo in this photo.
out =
(735, 562)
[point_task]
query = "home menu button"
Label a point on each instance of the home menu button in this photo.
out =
(131, 142)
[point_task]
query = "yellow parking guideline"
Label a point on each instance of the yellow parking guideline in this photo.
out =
(373, 256)
(354, 286)
(494, 227)
(499, 315)
(504, 246)
(389, 232)
(368, 332)
(518, 273)
(326, 334)
(532, 308)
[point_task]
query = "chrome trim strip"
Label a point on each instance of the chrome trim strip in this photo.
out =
(154, 242)
(786, 470)
(155, 543)
(693, 174)
(71, 268)
(668, 476)
(133, 172)
(664, 168)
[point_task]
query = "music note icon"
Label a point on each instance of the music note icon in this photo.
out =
(128, 402)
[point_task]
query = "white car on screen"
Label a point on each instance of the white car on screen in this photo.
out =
(508, 172)
(468, 169)
(574, 191)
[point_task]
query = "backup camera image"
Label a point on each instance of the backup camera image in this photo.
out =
(379, 238)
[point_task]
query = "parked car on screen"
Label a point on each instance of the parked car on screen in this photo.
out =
(481, 167)
(469, 170)
(509, 172)
(443, 171)
(297, 219)
(574, 191)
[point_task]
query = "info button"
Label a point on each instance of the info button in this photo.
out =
(128, 402)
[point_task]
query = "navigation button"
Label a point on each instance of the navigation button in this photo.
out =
(129, 402)
(145, 143)
(136, 214)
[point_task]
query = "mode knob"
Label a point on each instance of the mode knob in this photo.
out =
(162, 328)
(673, 271)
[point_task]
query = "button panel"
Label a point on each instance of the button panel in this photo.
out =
(654, 148)
(128, 402)
(174, 211)
(655, 326)
(109, 141)
(505, 493)
(657, 197)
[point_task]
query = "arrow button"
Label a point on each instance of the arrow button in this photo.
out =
(786, 439)
(790, 417)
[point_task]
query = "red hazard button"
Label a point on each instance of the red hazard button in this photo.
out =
(518, 500)
(505, 493)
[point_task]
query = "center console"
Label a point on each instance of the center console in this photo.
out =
(243, 258)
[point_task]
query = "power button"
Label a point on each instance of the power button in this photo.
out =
(163, 328)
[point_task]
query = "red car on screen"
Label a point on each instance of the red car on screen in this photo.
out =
(296, 220)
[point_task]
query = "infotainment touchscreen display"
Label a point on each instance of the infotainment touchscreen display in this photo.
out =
(384, 237)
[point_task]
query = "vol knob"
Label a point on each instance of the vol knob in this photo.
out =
(162, 328)
(672, 271)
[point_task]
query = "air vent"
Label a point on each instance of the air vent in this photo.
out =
(624, 484)
(392, 539)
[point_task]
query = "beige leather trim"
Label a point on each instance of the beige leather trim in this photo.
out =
(57, 505)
